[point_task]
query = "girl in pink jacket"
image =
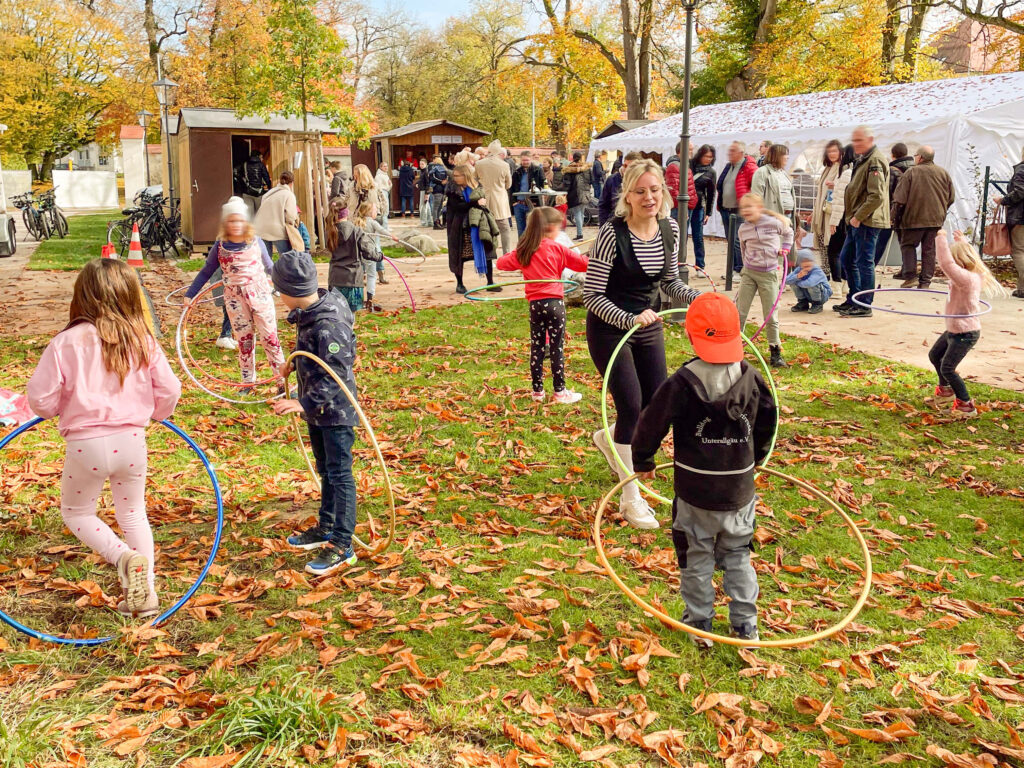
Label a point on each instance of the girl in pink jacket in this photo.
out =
(539, 257)
(105, 376)
(968, 279)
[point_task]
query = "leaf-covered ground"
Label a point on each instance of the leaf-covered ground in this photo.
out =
(487, 635)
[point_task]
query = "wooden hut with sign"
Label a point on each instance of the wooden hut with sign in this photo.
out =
(209, 144)
(425, 138)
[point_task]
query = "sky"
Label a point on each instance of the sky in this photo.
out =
(430, 13)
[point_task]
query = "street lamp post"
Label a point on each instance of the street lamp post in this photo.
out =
(683, 197)
(165, 88)
(145, 118)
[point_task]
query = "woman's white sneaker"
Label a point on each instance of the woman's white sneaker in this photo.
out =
(638, 513)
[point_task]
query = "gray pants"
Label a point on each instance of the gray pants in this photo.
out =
(506, 235)
(765, 285)
(712, 539)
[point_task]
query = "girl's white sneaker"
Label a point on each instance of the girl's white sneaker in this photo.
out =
(538, 397)
(566, 397)
(638, 513)
(133, 573)
(226, 342)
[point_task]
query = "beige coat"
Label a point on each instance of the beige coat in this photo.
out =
(819, 221)
(496, 179)
(839, 197)
(277, 207)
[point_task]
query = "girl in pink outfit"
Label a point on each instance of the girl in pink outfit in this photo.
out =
(539, 257)
(244, 260)
(968, 279)
(106, 377)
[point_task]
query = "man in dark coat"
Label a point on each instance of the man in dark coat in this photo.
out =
(526, 178)
(407, 187)
(919, 205)
(254, 180)
(598, 172)
(612, 188)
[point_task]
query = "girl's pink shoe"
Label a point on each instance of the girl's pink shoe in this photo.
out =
(943, 396)
(965, 409)
(538, 397)
(566, 397)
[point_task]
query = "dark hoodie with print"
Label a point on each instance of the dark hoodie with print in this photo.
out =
(718, 442)
(325, 329)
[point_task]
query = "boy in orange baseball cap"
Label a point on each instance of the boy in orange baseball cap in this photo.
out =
(722, 416)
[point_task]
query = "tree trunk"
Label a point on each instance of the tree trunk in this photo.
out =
(46, 166)
(912, 39)
(149, 24)
(749, 83)
(634, 106)
(890, 36)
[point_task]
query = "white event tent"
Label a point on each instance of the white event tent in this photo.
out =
(971, 122)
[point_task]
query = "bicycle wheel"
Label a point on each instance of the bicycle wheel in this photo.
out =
(119, 233)
(44, 225)
(29, 217)
(60, 222)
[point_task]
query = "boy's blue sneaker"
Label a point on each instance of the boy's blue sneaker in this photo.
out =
(311, 538)
(746, 632)
(330, 559)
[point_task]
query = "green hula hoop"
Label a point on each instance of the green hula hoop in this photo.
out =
(469, 294)
(604, 399)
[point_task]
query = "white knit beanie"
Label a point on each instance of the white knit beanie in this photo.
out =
(235, 206)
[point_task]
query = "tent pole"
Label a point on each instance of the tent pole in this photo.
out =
(683, 196)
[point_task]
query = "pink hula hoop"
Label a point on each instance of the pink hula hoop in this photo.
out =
(404, 281)
(694, 267)
(782, 289)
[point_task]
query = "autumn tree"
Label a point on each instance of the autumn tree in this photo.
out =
(303, 71)
(59, 71)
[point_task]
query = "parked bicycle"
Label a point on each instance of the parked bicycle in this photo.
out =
(56, 221)
(36, 224)
(156, 229)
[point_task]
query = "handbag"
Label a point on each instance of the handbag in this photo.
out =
(294, 237)
(997, 235)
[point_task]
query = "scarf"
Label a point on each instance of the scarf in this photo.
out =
(479, 255)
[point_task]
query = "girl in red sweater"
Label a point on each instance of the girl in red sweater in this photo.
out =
(539, 257)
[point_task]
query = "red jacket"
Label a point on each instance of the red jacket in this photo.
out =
(546, 263)
(743, 179)
(672, 182)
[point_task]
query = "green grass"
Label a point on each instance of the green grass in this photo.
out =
(191, 265)
(496, 501)
(86, 235)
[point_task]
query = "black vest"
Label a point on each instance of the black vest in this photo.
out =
(629, 287)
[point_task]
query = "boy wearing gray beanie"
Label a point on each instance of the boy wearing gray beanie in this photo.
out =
(323, 327)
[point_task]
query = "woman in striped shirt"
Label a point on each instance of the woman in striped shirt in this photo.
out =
(636, 254)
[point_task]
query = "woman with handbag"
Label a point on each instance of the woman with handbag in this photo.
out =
(1013, 202)
(824, 194)
(277, 219)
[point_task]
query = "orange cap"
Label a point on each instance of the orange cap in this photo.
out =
(713, 325)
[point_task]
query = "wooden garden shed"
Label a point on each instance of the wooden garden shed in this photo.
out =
(210, 143)
(424, 138)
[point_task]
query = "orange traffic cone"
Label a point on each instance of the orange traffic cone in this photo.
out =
(108, 252)
(135, 249)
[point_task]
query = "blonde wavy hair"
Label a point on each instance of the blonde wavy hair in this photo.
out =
(249, 235)
(631, 177)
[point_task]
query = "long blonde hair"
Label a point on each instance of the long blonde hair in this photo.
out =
(967, 256)
(108, 294)
(362, 177)
(469, 174)
(364, 212)
(630, 178)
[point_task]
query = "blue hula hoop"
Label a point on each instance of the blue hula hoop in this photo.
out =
(93, 641)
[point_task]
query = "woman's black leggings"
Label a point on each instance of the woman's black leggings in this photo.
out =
(639, 369)
(547, 323)
(947, 353)
(458, 270)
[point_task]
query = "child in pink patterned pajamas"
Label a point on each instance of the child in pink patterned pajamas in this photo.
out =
(244, 260)
(106, 377)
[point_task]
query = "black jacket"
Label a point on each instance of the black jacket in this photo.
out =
(354, 245)
(1014, 198)
(536, 178)
(325, 330)
(718, 443)
(609, 197)
(579, 184)
(705, 180)
(896, 170)
(406, 180)
(255, 177)
(437, 175)
(598, 172)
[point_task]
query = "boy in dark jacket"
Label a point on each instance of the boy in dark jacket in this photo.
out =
(323, 328)
(722, 416)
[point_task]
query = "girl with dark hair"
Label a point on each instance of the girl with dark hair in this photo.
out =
(824, 195)
(539, 257)
(705, 182)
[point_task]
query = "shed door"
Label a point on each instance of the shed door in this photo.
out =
(210, 184)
